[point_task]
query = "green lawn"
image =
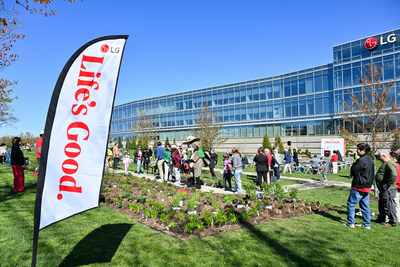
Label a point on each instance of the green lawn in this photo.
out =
(103, 237)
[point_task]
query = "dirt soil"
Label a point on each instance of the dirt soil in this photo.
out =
(120, 192)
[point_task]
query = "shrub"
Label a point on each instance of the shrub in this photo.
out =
(293, 193)
(279, 192)
(250, 189)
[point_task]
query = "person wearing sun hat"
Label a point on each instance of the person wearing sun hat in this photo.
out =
(195, 161)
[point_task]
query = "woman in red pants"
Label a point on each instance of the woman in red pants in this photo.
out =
(17, 164)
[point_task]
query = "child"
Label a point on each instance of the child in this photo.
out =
(227, 171)
(126, 161)
(324, 169)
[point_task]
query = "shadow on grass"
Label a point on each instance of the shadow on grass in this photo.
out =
(277, 246)
(7, 193)
(99, 246)
(329, 215)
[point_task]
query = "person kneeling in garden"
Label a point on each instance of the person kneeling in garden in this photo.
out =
(362, 172)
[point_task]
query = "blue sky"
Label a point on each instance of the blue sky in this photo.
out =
(177, 46)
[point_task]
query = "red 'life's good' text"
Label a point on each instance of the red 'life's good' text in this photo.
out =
(78, 131)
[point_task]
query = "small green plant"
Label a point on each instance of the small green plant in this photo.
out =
(170, 213)
(268, 189)
(135, 207)
(150, 202)
(200, 226)
(132, 197)
(209, 219)
(215, 205)
(221, 218)
(163, 218)
(126, 195)
(245, 215)
(193, 218)
(106, 189)
(233, 217)
(279, 192)
(146, 211)
(189, 227)
(181, 216)
(250, 189)
(173, 225)
(154, 213)
(293, 193)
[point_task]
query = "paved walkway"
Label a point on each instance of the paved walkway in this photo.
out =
(309, 183)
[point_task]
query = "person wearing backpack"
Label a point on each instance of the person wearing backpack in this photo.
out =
(17, 164)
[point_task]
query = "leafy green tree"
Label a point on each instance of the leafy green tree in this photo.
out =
(120, 142)
(167, 142)
(266, 142)
(279, 143)
(133, 144)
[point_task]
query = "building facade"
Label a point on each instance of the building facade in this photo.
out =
(299, 103)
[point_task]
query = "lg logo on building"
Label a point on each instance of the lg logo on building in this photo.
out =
(113, 50)
(372, 43)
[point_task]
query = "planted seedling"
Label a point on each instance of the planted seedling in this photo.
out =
(181, 216)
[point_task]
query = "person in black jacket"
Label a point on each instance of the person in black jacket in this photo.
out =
(261, 161)
(17, 164)
(213, 162)
(362, 173)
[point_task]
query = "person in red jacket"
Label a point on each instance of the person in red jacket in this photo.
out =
(39, 143)
(334, 160)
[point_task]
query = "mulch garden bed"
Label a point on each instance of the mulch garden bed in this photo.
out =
(186, 213)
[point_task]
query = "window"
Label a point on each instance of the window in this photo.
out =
(293, 85)
(295, 109)
(287, 89)
(255, 93)
(302, 86)
(310, 107)
(262, 93)
(303, 108)
(347, 77)
(269, 92)
(309, 85)
(318, 83)
(277, 90)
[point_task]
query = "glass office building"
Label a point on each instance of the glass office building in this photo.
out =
(298, 103)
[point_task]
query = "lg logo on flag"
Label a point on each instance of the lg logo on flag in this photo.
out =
(106, 49)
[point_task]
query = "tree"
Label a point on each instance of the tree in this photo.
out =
(8, 25)
(373, 111)
(144, 128)
(133, 144)
(278, 143)
(120, 142)
(167, 142)
(266, 142)
(208, 128)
